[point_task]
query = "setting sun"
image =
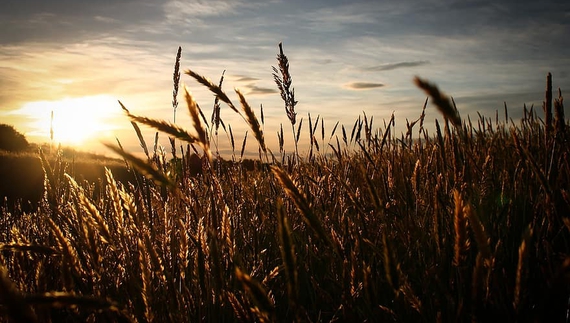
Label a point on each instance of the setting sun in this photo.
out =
(76, 121)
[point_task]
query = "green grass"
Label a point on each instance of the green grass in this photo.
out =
(468, 224)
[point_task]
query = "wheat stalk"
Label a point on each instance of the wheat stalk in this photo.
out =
(147, 169)
(176, 82)
(287, 248)
(283, 82)
(216, 118)
(145, 281)
(441, 101)
(479, 232)
(168, 128)
(217, 90)
(460, 225)
(523, 255)
(252, 121)
(256, 291)
(301, 202)
(113, 194)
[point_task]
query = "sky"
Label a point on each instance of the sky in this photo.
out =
(77, 58)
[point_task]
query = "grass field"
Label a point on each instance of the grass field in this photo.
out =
(467, 224)
(22, 183)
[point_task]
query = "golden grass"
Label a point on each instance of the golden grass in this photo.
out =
(370, 225)
(252, 121)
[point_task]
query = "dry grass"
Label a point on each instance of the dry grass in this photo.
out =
(468, 224)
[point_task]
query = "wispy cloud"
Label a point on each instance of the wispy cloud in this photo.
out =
(393, 66)
(256, 90)
(203, 13)
(363, 85)
(42, 72)
(104, 19)
(180, 9)
(337, 18)
(245, 78)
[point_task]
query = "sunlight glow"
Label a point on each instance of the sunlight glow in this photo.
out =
(76, 121)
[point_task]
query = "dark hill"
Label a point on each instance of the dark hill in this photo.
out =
(22, 176)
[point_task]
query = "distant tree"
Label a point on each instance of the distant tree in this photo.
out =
(12, 140)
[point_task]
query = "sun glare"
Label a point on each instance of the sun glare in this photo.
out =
(75, 122)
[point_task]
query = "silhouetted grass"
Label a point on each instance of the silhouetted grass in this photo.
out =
(468, 224)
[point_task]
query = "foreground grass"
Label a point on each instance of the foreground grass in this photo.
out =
(470, 224)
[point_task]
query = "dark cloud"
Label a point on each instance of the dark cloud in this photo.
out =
(68, 20)
(256, 90)
(393, 66)
(79, 8)
(363, 85)
(246, 79)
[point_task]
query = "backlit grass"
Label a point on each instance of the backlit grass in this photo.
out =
(468, 224)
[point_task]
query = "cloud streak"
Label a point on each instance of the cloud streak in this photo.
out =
(363, 85)
(256, 90)
(394, 66)
(246, 79)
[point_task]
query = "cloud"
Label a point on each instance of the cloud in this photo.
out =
(337, 18)
(363, 85)
(188, 13)
(245, 79)
(256, 90)
(393, 66)
(64, 21)
(180, 9)
(106, 20)
(42, 73)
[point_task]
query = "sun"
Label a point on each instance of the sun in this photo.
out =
(73, 121)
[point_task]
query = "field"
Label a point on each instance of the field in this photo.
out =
(467, 224)
(22, 184)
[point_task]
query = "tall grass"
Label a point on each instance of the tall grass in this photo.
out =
(467, 224)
